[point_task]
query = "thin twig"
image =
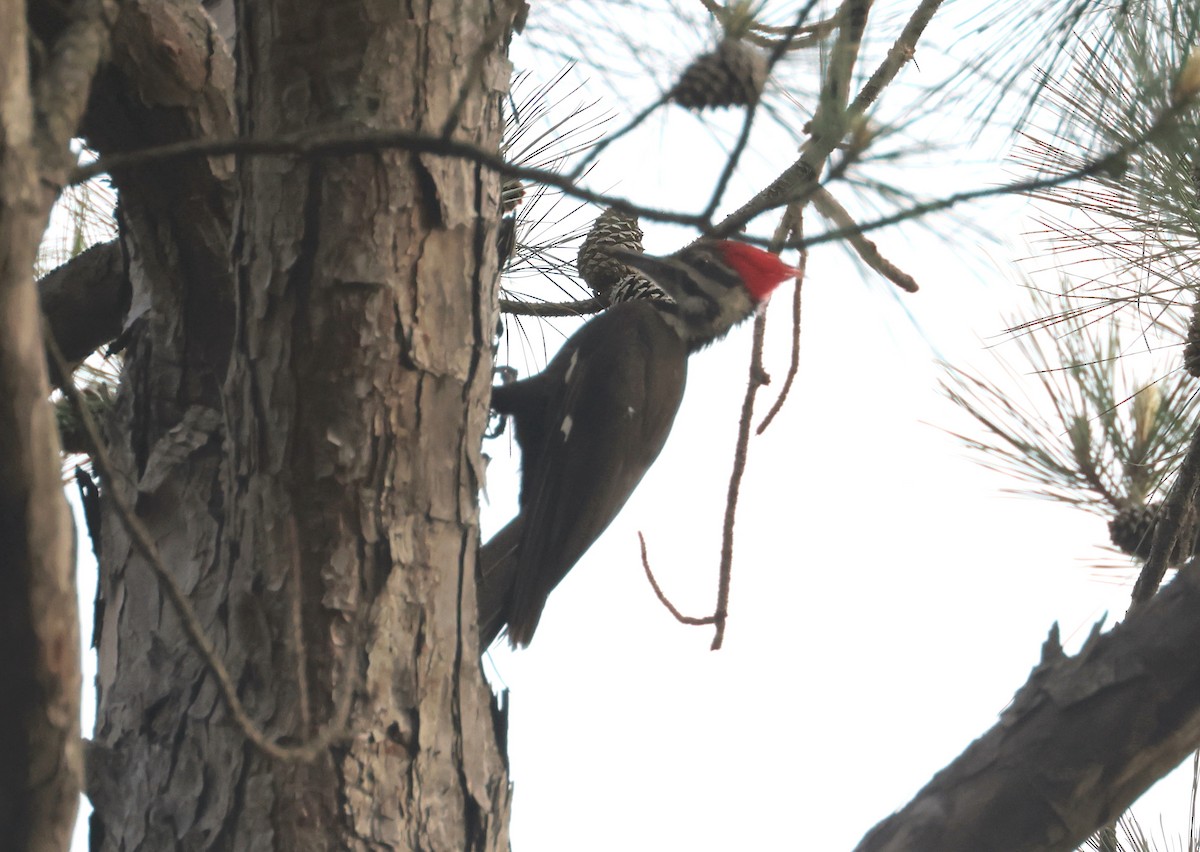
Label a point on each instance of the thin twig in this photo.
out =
(831, 209)
(758, 378)
(679, 616)
(579, 308)
(298, 629)
(333, 731)
(793, 367)
(795, 182)
(902, 50)
(831, 118)
(1100, 165)
(1192, 804)
(759, 33)
(327, 144)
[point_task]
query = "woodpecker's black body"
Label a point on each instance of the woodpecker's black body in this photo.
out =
(591, 424)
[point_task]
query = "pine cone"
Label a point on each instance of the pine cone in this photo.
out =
(1191, 352)
(597, 267)
(1132, 530)
(732, 75)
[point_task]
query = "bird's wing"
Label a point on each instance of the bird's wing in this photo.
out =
(608, 426)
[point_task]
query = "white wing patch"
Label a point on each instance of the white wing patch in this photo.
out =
(567, 422)
(571, 366)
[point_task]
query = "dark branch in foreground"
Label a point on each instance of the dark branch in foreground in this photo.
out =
(1081, 740)
(85, 300)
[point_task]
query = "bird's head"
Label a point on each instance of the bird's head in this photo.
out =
(715, 283)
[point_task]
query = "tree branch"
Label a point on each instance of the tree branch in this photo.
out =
(1170, 518)
(758, 378)
(1081, 740)
(831, 209)
(85, 300)
(796, 225)
(582, 307)
(679, 616)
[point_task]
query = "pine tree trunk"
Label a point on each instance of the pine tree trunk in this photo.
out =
(299, 427)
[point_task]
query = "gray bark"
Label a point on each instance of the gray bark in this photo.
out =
(299, 424)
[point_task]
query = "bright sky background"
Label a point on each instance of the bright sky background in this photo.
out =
(887, 598)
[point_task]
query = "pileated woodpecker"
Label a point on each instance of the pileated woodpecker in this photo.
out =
(594, 420)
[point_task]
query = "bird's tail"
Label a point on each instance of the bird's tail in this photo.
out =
(497, 574)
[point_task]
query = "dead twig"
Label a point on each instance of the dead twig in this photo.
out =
(831, 209)
(679, 616)
(758, 378)
(793, 367)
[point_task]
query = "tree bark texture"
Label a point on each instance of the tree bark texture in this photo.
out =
(42, 94)
(298, 425)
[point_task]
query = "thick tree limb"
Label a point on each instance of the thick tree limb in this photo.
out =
(85, 300)
(1080, 742)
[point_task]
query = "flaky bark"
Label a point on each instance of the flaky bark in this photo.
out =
(300, 419)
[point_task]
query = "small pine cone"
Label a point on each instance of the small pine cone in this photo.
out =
(635, 286)
(597, 267)
(732, 75)
(1132, 530)
(1191, 352)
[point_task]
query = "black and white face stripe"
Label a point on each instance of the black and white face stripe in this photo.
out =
(710, 295)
